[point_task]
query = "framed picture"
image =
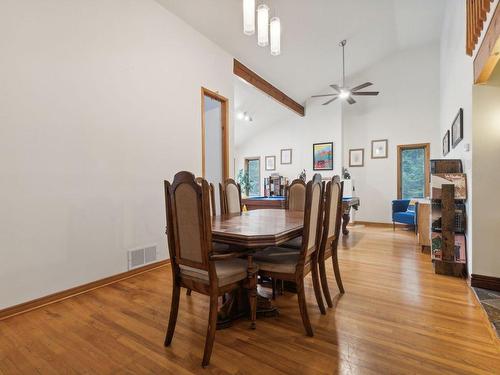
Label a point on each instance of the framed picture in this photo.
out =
(357, 157)
(379, 148)
(286, 156)
(446, 143)
(270, 163)
(323, 156)
(457, 128)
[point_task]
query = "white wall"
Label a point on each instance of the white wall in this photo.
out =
(321, 124)
(485, 162)
(456, 92)
(99, 103)
(405, 112)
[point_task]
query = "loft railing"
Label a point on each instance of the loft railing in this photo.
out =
(477, 11)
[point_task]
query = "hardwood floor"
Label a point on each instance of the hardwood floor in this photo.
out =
(397, 316)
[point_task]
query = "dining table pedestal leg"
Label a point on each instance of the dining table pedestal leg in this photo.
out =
(237, 306)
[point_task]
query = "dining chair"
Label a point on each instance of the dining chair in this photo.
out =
(283, 264)
(331, 234)
(296, 195)
(213, 210)
(218, 248)
(296, 198)
(194, 264)
(230, 197)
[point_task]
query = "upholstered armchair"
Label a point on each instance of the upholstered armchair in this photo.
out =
(403, 212)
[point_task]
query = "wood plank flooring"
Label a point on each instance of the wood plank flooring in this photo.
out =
(397, 317)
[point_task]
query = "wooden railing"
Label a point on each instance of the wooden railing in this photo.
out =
(477, 10)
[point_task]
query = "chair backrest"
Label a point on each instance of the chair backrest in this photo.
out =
(188, 221)
(213, 211)
(296, 195)
(230, 197)
(332, 214)
(313, 215)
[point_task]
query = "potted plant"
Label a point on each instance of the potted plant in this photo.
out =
(244, 180)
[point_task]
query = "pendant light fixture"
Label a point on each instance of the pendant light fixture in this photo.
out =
(248, 17)
(263, 25)
(268, 30)
(275, 31)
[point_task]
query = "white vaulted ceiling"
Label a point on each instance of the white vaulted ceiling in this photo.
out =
(310, 56)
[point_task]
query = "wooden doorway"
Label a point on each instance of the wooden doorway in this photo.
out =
(222, 103)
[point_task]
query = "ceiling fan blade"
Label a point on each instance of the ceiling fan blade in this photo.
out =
(366, 84)
(366, 93)
(350, 100)
(331, 100)
(335, 87)
(320, 96)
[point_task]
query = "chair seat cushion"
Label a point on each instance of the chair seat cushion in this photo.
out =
(296, 243)
(404, 217)
(221, 248)
(277, 259)
(228, 271)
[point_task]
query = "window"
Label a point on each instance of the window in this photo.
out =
(252, 167)
(413, 171)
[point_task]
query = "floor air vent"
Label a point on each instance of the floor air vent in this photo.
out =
(141, 257)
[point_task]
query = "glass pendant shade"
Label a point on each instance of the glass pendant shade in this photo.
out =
(275, 30)
(249, 17)
(263, 25)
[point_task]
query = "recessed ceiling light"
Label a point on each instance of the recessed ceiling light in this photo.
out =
(240, 115)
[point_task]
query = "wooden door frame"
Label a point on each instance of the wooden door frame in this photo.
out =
(224, 127)
(427, 148)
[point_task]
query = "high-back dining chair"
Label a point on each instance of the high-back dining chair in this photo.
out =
(230, 197)
(215, 246)
(283, 264)
(331, 235)
(194, 264)
(296, 195)
(213, 211)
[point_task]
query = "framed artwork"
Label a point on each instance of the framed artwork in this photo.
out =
(357, 157)
(446, 143)
(457, 128)
(379, 148)
(323, 156)
(270, 163)
(286, 156)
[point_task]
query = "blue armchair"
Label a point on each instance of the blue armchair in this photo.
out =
(403, 212)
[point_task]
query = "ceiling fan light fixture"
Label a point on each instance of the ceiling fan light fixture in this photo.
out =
(344, 94)
(263, 25)
(275, 31)
(248, 17)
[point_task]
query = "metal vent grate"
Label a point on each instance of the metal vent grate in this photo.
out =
(141, 257)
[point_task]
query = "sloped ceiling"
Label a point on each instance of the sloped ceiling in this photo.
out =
(312, 29)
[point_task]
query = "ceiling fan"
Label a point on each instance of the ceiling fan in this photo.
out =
(345, 92)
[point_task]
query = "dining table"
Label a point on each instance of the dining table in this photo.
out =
(248, 233)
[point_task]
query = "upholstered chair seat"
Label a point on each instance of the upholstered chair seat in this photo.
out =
(296, 243)
(228, 271)
(277, 259)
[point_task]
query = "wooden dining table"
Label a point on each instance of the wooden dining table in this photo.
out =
(248, 233)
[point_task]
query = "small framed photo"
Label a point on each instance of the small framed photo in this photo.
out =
(270, 163)
(357, 157)
(286, 156)
(323, 156)
(457, 128)
(379, 148)
(446, 143)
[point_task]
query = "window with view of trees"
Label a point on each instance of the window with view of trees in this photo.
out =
(252, 167)
(413, 174)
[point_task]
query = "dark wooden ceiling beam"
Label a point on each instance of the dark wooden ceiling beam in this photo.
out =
(257, 81)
